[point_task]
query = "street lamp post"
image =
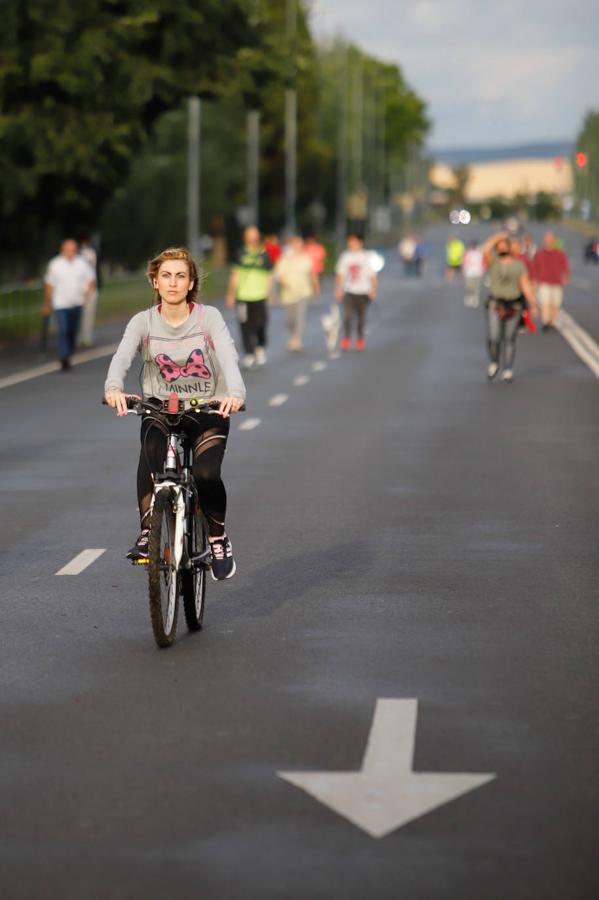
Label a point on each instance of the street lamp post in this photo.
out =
(291, 127)
(253, 162)
(193, 177)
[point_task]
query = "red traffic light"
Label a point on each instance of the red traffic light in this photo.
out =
(581, 160)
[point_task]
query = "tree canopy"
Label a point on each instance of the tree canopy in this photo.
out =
(92, 110)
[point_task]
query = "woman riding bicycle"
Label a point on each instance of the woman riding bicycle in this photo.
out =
(186, 347)
(510, 291)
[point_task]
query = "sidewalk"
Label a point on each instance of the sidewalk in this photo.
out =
(14, 360)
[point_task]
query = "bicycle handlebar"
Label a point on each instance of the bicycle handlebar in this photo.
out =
(140, 407)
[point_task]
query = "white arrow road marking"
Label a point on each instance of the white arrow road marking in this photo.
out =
(249, 424)
(319, 366)
(300, 380)
(278, 399)
(386, 794)
(80, 562)
(580, 340)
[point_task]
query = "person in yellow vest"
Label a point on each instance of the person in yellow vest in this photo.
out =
(249, 291)
(454, 251)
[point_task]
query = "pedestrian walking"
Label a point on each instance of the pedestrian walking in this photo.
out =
(273, 248)
(473, 268)
(551, 272)
(454, 254)
(68, 284)
(88, 316)
(317, 253)
(249, 292)
(299, 283)
(509, 288)
(407, 253)
(356, 286)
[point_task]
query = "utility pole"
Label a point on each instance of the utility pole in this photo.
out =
(340, 224)
(291, 124)
(253, 162)
(193, 177)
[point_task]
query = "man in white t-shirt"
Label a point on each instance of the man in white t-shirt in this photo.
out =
(355, 285)
(68, 284)
(473, 267)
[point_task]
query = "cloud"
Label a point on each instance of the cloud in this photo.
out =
(497, 73)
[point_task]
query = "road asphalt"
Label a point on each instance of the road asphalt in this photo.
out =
(403, 529)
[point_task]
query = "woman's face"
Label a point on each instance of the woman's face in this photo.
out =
(173, 282)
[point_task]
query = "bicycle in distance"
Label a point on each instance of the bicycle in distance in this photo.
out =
(179, 555)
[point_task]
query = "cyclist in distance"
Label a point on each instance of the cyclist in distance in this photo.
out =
(187, 348)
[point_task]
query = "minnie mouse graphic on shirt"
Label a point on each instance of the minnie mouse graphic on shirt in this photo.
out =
(194, 367)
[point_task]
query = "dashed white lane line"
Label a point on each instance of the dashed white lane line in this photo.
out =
(80, 562)
(249, 424)
(580, 340)
(300, 380)
(47, 368)
(278, 399)
(319, 366)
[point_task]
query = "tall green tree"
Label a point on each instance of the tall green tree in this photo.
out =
(82, 84)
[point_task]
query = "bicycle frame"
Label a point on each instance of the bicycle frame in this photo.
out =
(177, 478)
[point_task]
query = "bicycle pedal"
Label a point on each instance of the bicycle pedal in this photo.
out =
(140, 562)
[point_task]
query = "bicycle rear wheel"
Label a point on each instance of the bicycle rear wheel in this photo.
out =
(162, 571)
(193, 581)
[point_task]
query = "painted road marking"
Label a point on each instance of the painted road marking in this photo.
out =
(300, 380)
(80, 562)
(580, 340)
(319, 366)
(386, 794)
(47, 368)
(249, 424)
(278, 399)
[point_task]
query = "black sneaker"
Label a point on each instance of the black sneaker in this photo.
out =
(139, 550)
(223, 564)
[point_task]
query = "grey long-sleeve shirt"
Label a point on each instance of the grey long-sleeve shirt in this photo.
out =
(195, 359)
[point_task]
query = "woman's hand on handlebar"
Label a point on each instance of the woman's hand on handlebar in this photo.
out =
(118, 400)
(229, 405)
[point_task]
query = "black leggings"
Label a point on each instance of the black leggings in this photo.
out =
(354, 306)
(253, 319)
(208, 434)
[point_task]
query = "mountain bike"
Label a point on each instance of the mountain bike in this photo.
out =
(179, 555)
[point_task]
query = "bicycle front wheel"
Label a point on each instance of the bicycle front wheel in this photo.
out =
(162, 570)
(193, 581)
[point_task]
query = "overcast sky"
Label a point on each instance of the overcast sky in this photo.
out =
(492, 73)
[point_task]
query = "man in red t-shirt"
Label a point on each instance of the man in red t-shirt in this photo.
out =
(550, 271)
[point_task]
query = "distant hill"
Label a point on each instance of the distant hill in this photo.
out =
(547, 150)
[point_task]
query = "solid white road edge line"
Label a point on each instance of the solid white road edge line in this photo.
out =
(580, 340)
(249, 424)
(278, 399)
(80, 562)
(47, 368)
(301, 380)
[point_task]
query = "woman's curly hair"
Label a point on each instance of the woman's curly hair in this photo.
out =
(175, 253)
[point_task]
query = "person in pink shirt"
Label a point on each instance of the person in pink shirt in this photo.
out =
(550, 272)
(317, 253)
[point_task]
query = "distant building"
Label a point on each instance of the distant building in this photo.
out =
(504, 178)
